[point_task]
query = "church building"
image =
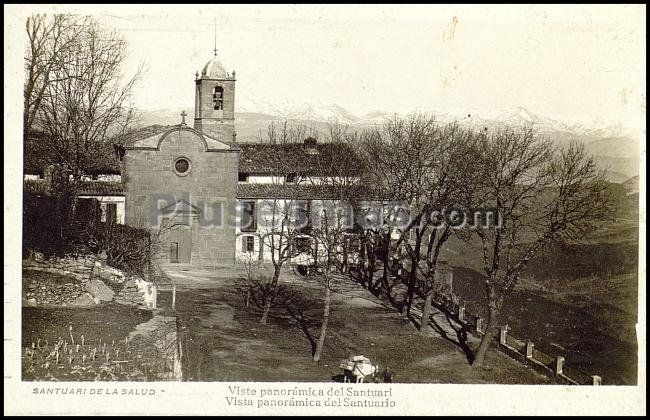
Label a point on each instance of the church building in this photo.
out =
(200, 187)
(197, 166)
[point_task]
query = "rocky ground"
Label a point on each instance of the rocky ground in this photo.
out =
(84, 320)
(130, 294)
(44, 288)
(80, 282)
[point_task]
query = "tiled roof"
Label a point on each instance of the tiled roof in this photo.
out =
(35, 186)
(94, 188)
(301, 192)
(140, 133)
(281, 159)
(37, 156)
(149, 137)
(101, 188)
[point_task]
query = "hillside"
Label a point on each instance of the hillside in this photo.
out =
(575, 299)
(632, 185)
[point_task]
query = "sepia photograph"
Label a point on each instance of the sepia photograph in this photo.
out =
(311, 209)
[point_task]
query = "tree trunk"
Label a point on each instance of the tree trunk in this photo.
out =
(269, 300)
(426, 312)
(384, 286)
(490, 331)
(410, 291)
(415, 263)
(323, 327)
(370, 274)
(265, 314)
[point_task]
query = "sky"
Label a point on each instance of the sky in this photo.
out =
(573, 61)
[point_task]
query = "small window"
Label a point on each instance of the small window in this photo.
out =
(248, 244)
(291, 177)
(248, 221)
(243, 177)
(303, 216)
(217, 98)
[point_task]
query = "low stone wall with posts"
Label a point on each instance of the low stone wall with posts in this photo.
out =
(522, 351)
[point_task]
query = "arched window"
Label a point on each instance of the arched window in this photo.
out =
(217, 97)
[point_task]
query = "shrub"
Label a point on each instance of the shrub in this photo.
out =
(45, 230)
(126, 248)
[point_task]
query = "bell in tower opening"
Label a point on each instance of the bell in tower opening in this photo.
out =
(214, 113)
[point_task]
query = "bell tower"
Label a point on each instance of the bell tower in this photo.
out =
(214, 110)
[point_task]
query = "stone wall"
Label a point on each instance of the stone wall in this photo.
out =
(137, 291)
(82, 281)
(159, 345)
(149, 175)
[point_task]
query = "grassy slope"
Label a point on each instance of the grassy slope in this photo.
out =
(577, 300)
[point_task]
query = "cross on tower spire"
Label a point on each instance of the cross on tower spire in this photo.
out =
(183, 115)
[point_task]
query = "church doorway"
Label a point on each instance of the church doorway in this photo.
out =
(180, 244)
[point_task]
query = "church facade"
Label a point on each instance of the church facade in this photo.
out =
(182, 179)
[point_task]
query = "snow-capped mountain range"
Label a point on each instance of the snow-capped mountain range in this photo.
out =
(613, 145)
(293, 110)
(320, 111)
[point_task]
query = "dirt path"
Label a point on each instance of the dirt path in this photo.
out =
(224, 341)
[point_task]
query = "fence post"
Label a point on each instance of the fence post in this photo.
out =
(174, 297)
(559, 364)
(461, 313)
(597, 380)
(155, 296)
(503, 333)
(479, 325)
(529, 349)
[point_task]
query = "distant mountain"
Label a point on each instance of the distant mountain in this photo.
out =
(615, 177)
(305, 111)
(632, 185)
(612, 146)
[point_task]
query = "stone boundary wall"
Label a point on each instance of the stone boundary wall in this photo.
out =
(522, 351)
(158, 339)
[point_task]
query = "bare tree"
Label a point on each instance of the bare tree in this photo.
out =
(287, 133)
(449, 178)
(251, 263)
(49, 40)
(420, 163)
(337, 175)
(279, 216)
(329, 238)
(77, 95)
(279, 219)
(542, 195)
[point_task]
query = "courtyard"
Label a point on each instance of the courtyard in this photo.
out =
(222, 340)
